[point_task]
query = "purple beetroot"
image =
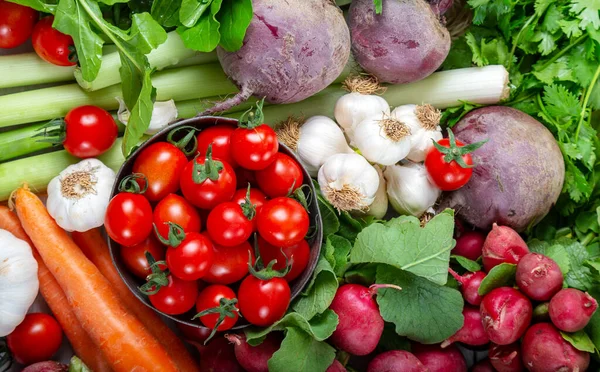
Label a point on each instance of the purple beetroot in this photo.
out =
(255, 358)
(218, 356)
(396, 361)
(469, 285)
(545, 350)
(436, 359)
(506, 358)
(49, 366)
(469, 244)
(506, 313)
(336, 366)
(538, 276)
(472, 332)
(571, 309)
(502, 245)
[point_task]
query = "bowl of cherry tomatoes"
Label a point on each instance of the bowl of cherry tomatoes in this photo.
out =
(213, 223)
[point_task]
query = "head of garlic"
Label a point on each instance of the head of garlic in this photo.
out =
(382, 139)
(348, 182)
(79, 195)
(409, 190)
(163, 113)
(379, 207)
(424, 124)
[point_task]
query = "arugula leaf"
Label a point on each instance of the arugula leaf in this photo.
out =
(500, 276)
(319, 292)
(467, 264)
(39, 5)
(166, 12)
(205, 35)
(141, 114)
(378, 6)
(422, 311)
(235, 17)
(321, 327)
(300, 352)
(555, 251)
(405, 245)
(191, 11)
(580, 341)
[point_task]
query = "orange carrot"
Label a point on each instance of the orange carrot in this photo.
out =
(94, 246)
(81, 343)
(126, 343)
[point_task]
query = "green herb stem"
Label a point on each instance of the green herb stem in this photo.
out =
(517, 39)
(562, 52)
(588, 94)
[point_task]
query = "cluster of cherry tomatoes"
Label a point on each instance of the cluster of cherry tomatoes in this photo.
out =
(193, 228)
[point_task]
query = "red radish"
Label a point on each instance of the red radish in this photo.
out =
(49, 366)
(483, 366)
(539, 277)
(360, 324)
(571, 309)
(469, 244)
(336, 366)
(545, 350)
(469, 285)
(255, 358)
(472, 332)
(436, 359)
(506, 313)
(218, 356)
(506, 358)
(396, 361)
(502, 245)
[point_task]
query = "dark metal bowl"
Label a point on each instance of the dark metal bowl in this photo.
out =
(133, 282)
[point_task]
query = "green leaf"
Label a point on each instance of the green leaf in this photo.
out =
(467, 264)
(321, 327)
(579, 276)
(146, 34)
(500, 276)
(319, 292)
(299, 352)
(555, 251)
(405, 245)
(77, 365)
(363, 274)
(588, 221)
(593, 329)
(460, 55)
(390, 340)
(350, 227)
(560, 102)
(166, 12)
(580, 341)
(558, 70)
(141, 114)
(340, 249)
(191, 11)
(235, 17)
(205, 35)
(422, 311)
(331, 223)
(378, 6)
(39, 5)
(587, 12)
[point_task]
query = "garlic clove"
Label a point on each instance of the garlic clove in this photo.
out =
(423, 120)
(352, 108)
(383, 139)
(409, 190)
(380, 204)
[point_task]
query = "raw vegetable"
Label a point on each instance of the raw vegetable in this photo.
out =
(506, 358)
(175, 209)
(20, 281)
(437, 359)
(336, 366)
(263, 298)
(469, 285)
(409, 189)
(348, 182)
(379, 207)
(189, 255)
(506, 314)
(230, 264)
(230, 224)
(177, 297)
(502, 245)
(256, 196)
(540, 346)
(396, 360)
(571, 309)
(52, 45)
(296, 255)
(472, 332)
(281, 177)
(79, 279)
(382, 139)
(282, 222)
(517, 143)
(538, 276)
(469, 244)
(285, 60)
(424, 124)
(216, 308)
(218, 356)
(405, 43)
(219, 136)
(36, 339)
(163, 113)
(255, 358)
(134, 257)
(483, 365)
(78, 197)
(16, 24)
(49, 366)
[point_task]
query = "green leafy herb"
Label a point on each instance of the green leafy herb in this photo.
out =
(166, 12)
(555, 251)
(319, 292)
(580, 341)
(39, 5)
(320, 327)
(500, 276)
(467, 264)
(300, 352)
(235, 17)
(204, 36)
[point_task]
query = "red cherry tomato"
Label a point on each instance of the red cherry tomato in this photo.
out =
(254, 148)
(227, 225)
(278, 179)
(219, 136)
(174, 208)
(178, 297)
(210, 298)
(282, 222)
(263, 302)
(297, 255)
(50, 44)
(257, 198)
(36, 339)
(16, 24)
(208, 193)
(194, 334)
(192, 258)
(245, 177)
(89, 131)
(230, 264)
(134, 257)
(162, 163)
(128, 218)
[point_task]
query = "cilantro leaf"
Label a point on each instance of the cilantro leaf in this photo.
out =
(587, 12)
(300, 352)
(579, 276)
(500, 276)
(560, 102)
(555, 251)
(235, 17)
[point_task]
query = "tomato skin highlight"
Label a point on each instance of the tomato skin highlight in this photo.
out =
(447, 176)
(282, 222)
(298, 255)
(220, 138)
(227, 225)
(178, 297)
(208, 194)
(208, 299)
(90, 131)
(254, 148)
(50, 44)
(16, 24)
(134, 257)
(192, 258)
(162, 164)
(279, 177)
(263, 302)
(174, 208)
(36, 339)
(230, 264)
(128, 218)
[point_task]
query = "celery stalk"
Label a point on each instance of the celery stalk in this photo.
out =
(28, 69)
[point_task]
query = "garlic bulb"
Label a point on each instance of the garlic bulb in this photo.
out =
(382, 139)
(319, 139)
(18, 281)
(409, 189)
(348, 182)
(424, 124)
(379, 207)
(163, 113)
(79, 195)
